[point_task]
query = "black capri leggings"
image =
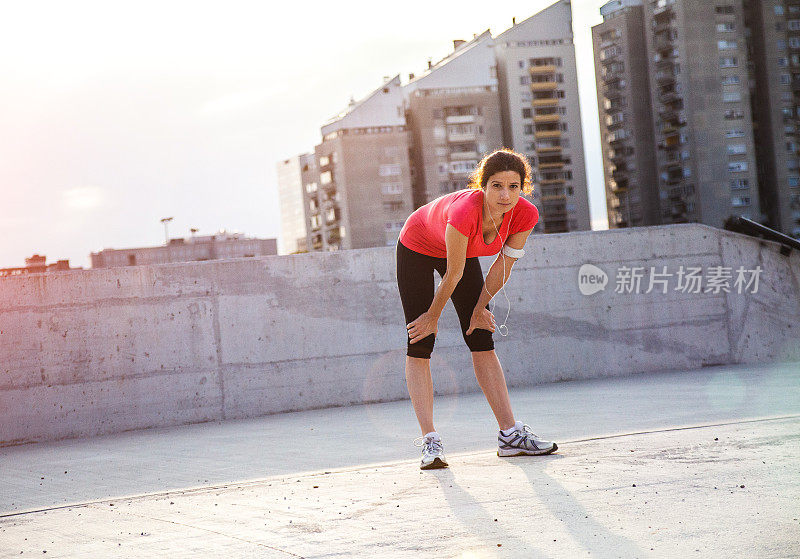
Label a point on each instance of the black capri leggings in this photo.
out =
(415, 280)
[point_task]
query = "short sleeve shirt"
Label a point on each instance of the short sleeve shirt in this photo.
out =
(424, 229)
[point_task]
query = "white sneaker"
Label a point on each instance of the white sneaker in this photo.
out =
(522, 441)
(432, 451)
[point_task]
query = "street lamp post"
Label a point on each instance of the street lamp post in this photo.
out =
(165, 221)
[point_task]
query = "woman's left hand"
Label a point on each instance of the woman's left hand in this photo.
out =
(481, 318)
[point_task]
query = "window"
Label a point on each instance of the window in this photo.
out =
(739, 184)
(462, 166)
(730, 80)
(731, 96)
(521, 63)
(325, 178)
(794, 24)
(737, 166)
(786, 79)
(794, 42)
(778, 10)
(392, 205)
(794, 182)
(726, 10)
(728, 62)
(726, 45)
(438, 113)
(739, 201)
(528, 129)
(726, 27)
(524, 80)
(733, 114)
(781, 44)
(526, 112)
(392, 188)
(390, 170)
(737, 149)
(783, 62)
(735, 133)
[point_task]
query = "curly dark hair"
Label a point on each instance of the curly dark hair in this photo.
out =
(502, 160)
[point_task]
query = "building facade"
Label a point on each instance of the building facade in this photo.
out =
(364, 191)
(222, 245)
(404, 145)
(538, 83)
(291, 185)
(626, 127)
(723, 89)
(775, 90)
(453, 113)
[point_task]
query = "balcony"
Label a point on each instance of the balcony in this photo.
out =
(552, 165)
(546, 118)
(619, 176)
(464, 155)
(664, 77)
(555, 212)
(551, 181)
(463, 137)
(669, 97)
(549, 102)
(543, 86)
(460, 119)
(546, 69)
(547, 134)
(549, 149)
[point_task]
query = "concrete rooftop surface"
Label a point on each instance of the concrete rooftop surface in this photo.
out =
(701, 463)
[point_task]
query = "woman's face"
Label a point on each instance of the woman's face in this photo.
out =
(502, 191)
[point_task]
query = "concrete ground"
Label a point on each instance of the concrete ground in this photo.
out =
(700, 463)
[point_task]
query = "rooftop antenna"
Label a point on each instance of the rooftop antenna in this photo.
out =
(165, 221)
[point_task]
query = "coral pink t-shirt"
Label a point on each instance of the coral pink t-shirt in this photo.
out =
(424, 229)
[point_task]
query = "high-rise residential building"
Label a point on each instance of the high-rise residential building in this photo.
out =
(538, 84)
(722, 107)
(364, 192)
(775, 91)
(701, 110)
(626, 127)
(404, 145)
(293, 205)
(453, 113)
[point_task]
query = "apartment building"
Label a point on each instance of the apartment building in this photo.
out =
(405, 145)
(721, 108)
(294, 175)
(775, 90)
(453, 113)
(364, 191)
(626, 127)
(221, 245)
(538, 85)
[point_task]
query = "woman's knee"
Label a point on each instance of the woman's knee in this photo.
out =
(422, 348)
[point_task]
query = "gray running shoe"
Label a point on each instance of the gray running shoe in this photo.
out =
(523, 441)
(432, 451)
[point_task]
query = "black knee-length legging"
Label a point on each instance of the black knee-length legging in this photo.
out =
(415, 281)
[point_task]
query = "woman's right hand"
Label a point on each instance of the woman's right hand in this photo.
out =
(425, 325)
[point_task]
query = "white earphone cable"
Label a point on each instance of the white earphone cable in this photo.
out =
(503, 326)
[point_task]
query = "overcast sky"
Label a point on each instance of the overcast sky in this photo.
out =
(116, 114)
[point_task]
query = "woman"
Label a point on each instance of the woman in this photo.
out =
(447, 235)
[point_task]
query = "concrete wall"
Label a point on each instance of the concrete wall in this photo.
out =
(102, 351)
